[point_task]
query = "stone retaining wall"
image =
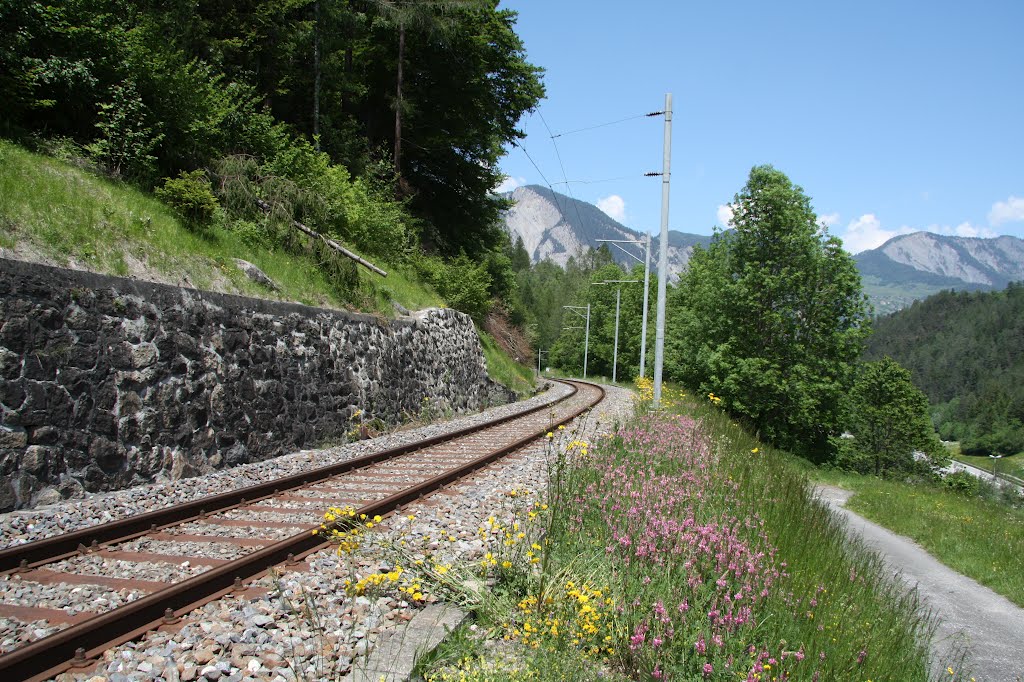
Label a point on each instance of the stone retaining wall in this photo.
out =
(108, 382)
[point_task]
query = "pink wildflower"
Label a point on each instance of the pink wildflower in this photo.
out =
(700, 645)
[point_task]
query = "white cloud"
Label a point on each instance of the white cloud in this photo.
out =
(866, 232)
(1009, 211)
(614, 206)
(828, 220)
(964, 229)
(724, 214)
(509, 184)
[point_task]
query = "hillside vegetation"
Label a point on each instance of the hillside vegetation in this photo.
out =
(966, 352)
(54, 212)
(376, 124)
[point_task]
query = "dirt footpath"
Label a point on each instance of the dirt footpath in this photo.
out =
(990, 625)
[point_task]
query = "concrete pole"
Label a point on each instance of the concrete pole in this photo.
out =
(615, 347)
(586, 343)
(647, 279)
(659, 336)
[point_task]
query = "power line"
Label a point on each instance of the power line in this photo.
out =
(554, 195)
(604, 125)
(575, 203)
(593, 182)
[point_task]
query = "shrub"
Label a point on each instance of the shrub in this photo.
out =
(463, 284)
(126, 135)
(962, 483)
(190, 196)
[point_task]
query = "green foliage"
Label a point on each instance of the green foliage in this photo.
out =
(191, 197)
(127, 135)
(966, 352)
(962, 482)
(301, 184)
(771, 317)
(888, 419)
(463, 283)
(462, 98)
(156, 88)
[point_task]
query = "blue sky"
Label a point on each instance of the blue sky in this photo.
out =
(893, 116)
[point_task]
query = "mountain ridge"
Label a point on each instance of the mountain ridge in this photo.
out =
(914, 266)
(557, 227)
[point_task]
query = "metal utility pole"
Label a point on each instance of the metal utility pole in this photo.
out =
(619, 294)
(586, 343)
(647, 278)
(659, 336)
(539, 353)
(615, 348)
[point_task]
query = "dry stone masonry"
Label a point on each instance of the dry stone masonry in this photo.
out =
(108, 382)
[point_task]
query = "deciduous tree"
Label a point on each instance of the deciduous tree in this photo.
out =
(888, 419)
(771, 317)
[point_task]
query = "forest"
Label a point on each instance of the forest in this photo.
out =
(965, 350)
(378, 123)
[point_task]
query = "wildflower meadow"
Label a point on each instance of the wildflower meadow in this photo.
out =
(679, 548)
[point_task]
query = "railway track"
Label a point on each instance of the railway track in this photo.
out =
(220, 543)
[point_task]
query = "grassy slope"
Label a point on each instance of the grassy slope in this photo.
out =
(68, 216)
(983, 540)
(1012, 465)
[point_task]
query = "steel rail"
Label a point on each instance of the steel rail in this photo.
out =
(48, 550)
(52, 655)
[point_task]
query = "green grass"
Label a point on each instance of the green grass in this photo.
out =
(1012, 465)
(504, 369)
(982, 539)
(69, 215)
(627, 516)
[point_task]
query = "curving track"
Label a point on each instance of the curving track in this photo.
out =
(220, 542)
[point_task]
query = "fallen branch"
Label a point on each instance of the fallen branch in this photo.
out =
(265, 207)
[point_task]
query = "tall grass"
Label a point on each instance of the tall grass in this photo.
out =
(980, 538)
(681, 548)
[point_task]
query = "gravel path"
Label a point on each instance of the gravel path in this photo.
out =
(990, 625)
(305, 627)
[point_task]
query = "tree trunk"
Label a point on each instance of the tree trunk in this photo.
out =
(398, 99)
(316, 75)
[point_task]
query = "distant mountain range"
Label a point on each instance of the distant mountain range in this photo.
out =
(905, 268)
(558, 227)
(915, 266)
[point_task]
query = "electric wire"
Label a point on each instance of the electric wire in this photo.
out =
(554, 195)
(605, 125)
(594, 182)
(575, 203)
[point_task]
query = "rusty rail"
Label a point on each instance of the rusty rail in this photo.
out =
(86, 640)
(52, 549)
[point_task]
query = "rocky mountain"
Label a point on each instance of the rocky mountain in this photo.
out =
(906, 268)
(915, 266)
(556, 227)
